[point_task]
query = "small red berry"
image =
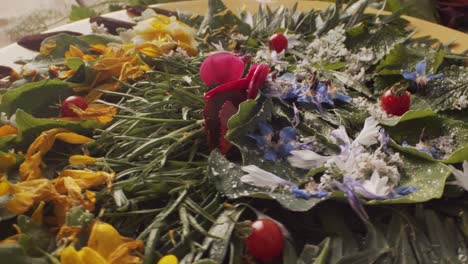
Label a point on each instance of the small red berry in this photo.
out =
(278, 42)
(395, 103)
(266, 240)
(77, 101)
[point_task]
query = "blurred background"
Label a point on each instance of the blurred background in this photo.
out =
(23, 17)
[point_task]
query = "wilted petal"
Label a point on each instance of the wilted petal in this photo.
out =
(25, 194)
(261, 178)
(353, 201)
(435, 76)
(220, 68)
(81, 160)
(370, 132)
(8, 130)
(405, 190)
(306, 159)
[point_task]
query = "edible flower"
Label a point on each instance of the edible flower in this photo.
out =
(264, 179)
(105, 246)
(461, 177)
(168, 259)
(276, 144)
(211, 71)
(30, 168)
(420, 77)
(423, 145)
(223, 101)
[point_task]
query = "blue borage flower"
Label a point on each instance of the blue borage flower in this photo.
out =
(264, 179)
(317, 93)
(420, 77)
(423, 145)
(275, 144)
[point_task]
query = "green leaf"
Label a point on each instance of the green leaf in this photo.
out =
(33, 238)
(409, 131)
(76, 216)
(418, 109)
(74, 63)
(14, 253)
(63, 42)
(440, 237)
(443, 93)
(403, 57)
(323, 256)
(37, 97)
(81, 12)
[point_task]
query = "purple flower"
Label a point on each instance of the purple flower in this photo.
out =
(420, 77)
(424, 147)
(353, 200)
(275, 144)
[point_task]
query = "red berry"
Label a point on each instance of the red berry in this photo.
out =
(77, 101)
(266, 240)
(278, 42)
(394, 103)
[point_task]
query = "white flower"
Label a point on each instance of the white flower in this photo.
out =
(99, 29)
(8, 121)
(369, 134)
(461, 177)
(272, 57)
(306, 159)
(376, 186)
(262, 178)
(293, 40)
(329, 47)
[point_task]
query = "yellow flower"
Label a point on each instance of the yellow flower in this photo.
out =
(105, 246)
(74, 52)
(36, 217)
(83, 178)
(25, 194)
(8, 130)
(30, 168)
(100, 113)
(168, 259)
(81, 160)
(48, 47)
(160, 34)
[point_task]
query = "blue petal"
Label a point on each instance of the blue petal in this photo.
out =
(430, 151)
(320, 194)
(265, 128)
(353, 201)
(405, 190)
(300, 193)
(260, 140)
(270, 154)
(285, 150)
(409, 75)
(405, 144)
(287, 134)
(287, 76)
(342, 97)
(435, 76)
(421, 68)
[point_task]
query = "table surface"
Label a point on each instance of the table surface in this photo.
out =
(13, 52)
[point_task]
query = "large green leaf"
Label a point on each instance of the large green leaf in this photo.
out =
(33, 238)
(62, 44)
(410, 131)
(37, 98)
(443, 93)
(429, 177)
(418, 109)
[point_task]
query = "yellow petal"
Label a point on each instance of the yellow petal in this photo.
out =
(84, 178)
(8, 130)
(48, 47)
(7, 160)
(30, 168)
(125, 253)
(4, 186)
(25, 194)
(168, 259)
(99, 48)
(88, 255)
(104, 238)
(36, 217)
(73, 138)
(74, 52)
(81, 160)
(70, 233)
(70, 256)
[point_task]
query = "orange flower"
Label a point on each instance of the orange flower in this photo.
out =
(30, 168)
(8, 130)
(25, 194)
(100, 113)
(83, 178)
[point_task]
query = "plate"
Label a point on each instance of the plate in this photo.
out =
(14, 52)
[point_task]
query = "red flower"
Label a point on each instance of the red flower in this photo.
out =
(220, 68)
(223, 102)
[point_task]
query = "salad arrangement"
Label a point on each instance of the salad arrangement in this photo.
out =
(276, 137)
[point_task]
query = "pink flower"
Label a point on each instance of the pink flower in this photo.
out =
(223, 102)
(220, 68)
